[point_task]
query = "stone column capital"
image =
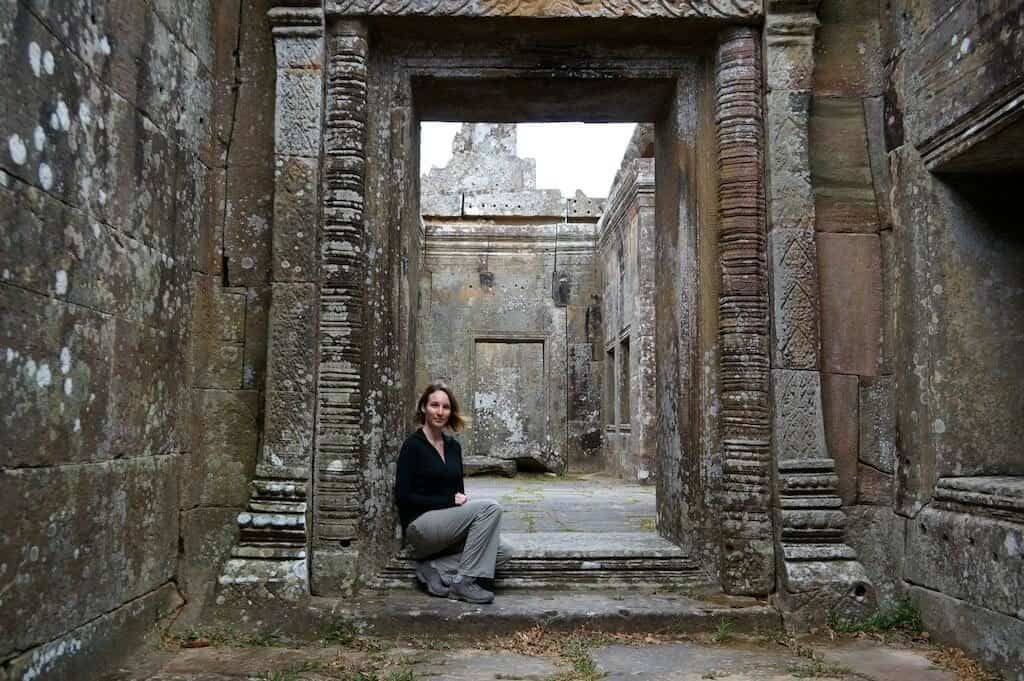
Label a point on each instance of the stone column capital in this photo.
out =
(295, 19)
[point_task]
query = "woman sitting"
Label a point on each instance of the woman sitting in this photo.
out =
(454, 539)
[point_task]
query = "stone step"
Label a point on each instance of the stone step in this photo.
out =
(404, 611)
(580, 560)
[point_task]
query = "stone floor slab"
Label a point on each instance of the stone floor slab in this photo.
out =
(877, 663)
(590, 544)
(589, 503)
(476, 665)
(692, 661)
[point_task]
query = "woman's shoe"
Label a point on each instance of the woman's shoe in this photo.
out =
(429, 577)
(468, 590)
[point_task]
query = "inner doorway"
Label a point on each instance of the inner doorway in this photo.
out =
(701, 90)
(530, 298)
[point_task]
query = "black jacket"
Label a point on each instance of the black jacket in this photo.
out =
(423, 482)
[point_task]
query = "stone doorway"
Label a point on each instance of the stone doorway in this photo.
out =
(351, 93)
(514, 300)
(343, 334)
(668, 83)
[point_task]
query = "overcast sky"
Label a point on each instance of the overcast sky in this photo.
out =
(569, 156)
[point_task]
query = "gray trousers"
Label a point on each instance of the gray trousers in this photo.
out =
(462, 540)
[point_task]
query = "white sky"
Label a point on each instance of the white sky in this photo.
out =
(569, 156)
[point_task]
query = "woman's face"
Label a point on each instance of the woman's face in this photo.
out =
(438, 409)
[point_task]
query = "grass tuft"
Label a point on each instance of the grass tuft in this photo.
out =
(902, 617)
(724, 631)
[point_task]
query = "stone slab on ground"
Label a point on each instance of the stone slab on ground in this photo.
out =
(589, 503)
(692, 661)
(869, 660)
(434, 658)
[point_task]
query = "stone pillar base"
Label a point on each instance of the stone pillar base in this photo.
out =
(814, 592)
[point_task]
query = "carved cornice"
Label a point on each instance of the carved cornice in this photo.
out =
(726, 10)
(940, 152)
(997, 496)
(292, 21)
(509, 239)
(791, 27)
(638, 180)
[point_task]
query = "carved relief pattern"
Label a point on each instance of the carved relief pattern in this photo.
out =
(298, 53)
(819, 572)
(796, 298)
(272, 542)
(337, 477)
(702, 9)
(799, 426)
(274, 522)
(297, 124)
(743, 314)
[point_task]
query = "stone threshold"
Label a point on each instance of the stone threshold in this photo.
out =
(580, 560)
(405, 611)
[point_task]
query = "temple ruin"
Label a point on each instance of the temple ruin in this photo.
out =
(798, 315)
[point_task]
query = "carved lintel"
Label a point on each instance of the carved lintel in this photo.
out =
(723, 10)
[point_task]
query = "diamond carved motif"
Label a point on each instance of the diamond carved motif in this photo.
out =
(794, 270)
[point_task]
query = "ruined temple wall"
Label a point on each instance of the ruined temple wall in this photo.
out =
(468, 323)
(854, 236)
(232, 293)
(111, 153)
(686, 305)
(955, 80)
(625, 260)
(922, 302)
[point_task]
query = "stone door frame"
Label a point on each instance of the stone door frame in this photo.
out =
(329, 336)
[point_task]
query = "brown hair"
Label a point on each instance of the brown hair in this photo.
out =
(455, 420)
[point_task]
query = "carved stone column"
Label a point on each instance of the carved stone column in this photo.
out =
(272, 550)
(342, 307)
(748, 560)
(818, 572)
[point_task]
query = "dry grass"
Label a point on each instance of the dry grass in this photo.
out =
(966, 669)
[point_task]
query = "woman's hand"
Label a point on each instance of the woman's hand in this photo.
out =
(460, 498)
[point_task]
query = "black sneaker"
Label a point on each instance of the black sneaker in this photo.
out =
(471, 592)
(430, 578)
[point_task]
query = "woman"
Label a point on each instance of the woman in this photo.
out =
(454, 539)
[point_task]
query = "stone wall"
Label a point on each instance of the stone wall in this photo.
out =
(106, 161)
(136, 204)
(956, 259)
(853, 228)
(626, 262)
(505, 288)
(914, 116)
(232, 293)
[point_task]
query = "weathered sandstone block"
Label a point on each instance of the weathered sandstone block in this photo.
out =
(850, 271)
(839, 397)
